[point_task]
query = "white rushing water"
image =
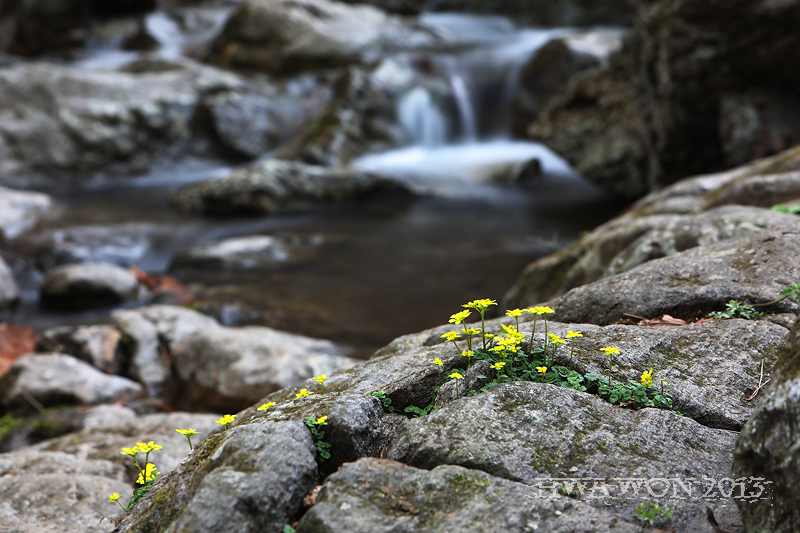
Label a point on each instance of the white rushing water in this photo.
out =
(461, 138)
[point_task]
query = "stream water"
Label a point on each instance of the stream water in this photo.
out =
(375, 270)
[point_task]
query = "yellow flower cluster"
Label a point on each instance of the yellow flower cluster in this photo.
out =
(187, 432)
(647, 378)
(149, 474)
(555, 339)
(574, 334)
(610, 350)
(499, 365)
(541, 369)
(320, 379)
(303, 393)
(480, 305)
(456, 375)
(438, 362)
(225, 420)
(266, 406)
(322, 420)
(540, 310)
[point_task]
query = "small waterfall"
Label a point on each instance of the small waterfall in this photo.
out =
(469, 126)
(422, 119)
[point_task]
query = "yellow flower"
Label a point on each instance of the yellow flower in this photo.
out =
(148, 475)
(438, 362)
(456, 375)
(472, 332)
(130, 451)
(480, 305)
(148, 447)
(225, 420)
(647, 378)
(574, 334)
(187, 432)
(541, 369)
(468, 354)
(499, 365)
(322, 419)
(450, 336)
(114, 497)
(610, 350)
(265, 406)
(459, 317)
(302, 394)
(555, 339)
(515, 313)
(320, 379)
(540, 310)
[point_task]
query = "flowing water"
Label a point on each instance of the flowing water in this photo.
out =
(370, 271)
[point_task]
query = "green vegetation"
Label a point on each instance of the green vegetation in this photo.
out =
(737, 309)
(315, 426)
(648, 512)
(513, 359)
(385, 400)
(793, 209)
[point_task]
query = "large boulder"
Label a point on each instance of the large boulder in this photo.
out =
(57, 379)
(230, 368)
(275, 185)
(767, 450)
(696, 211)
(64, 484)
(447, 498)
(150, 336)
(88, 285)
(526, 431)
(692, 89)
(548, 72)
(62, 120)
(691, 284)
(282, 36)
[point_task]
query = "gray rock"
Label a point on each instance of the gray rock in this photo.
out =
(154, 333)
(274, 185)
(631, 240)
(57, 379)
(87, 285)
(230, 368)
(20, 211)
(9, 292)
(357, 425)
(376, 495)
(251, 477)
(361, 118)
(234, 253)
(104, 443)
(712, 368)
(633, 132)
(549, 71)
(280, 36)
(692, 283)
(55, 503)
(476, 376)
(525, 431)
(98, 345)
(78, 124)
(766, 448)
